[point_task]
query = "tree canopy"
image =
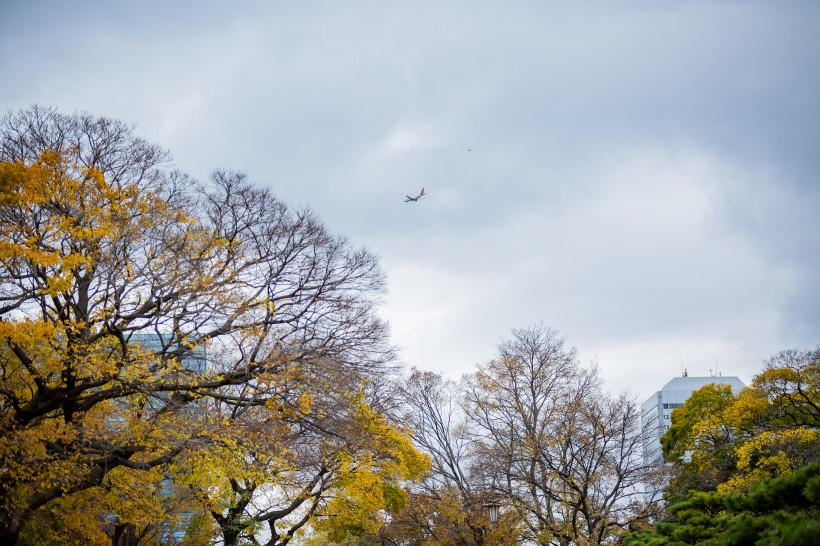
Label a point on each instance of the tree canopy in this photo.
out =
(746, 465)
(532, 432)
(775, 512)
(168, 342)
(724, 442)
(198, 362)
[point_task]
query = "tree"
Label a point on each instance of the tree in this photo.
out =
(719, 441)
(340, 465)
(450, 506)
(776, 420)
(777, 512)
(747, 470)
(565, 457)
(114, 271)
(703, 404)
(790, 381)
(700, 443)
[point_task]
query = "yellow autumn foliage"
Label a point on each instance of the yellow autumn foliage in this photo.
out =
(770, 454)
(767, 430)
(68, 217)
(163, 345)
(371, 477)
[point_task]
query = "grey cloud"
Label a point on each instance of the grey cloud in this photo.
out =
(642, 177)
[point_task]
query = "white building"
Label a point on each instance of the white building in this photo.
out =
(656, 412)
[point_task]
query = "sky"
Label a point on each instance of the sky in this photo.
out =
(641, 176)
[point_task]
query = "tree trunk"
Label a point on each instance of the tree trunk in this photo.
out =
(10, 524)
(125, 534)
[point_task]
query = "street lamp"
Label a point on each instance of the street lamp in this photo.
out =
(492, 508)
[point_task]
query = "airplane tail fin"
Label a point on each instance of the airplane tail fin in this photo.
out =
(422, 191)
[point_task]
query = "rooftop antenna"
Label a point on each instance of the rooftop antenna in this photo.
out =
(683, 372)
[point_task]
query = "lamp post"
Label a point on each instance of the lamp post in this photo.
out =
(492, 509)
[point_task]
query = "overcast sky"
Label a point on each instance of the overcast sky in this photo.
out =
(643, 178)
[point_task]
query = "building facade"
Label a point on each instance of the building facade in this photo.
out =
(656, 412)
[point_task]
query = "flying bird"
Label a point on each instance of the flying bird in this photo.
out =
(416, 198)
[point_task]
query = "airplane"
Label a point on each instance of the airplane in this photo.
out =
(416, 198)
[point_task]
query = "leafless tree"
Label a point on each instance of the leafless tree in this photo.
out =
(564, 456)
(439, 423)
(450, 507)
(435, 415)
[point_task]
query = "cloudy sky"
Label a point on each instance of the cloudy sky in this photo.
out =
(643, 178)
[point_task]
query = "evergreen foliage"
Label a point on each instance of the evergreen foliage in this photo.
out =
(781, 511)
(747, 467)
